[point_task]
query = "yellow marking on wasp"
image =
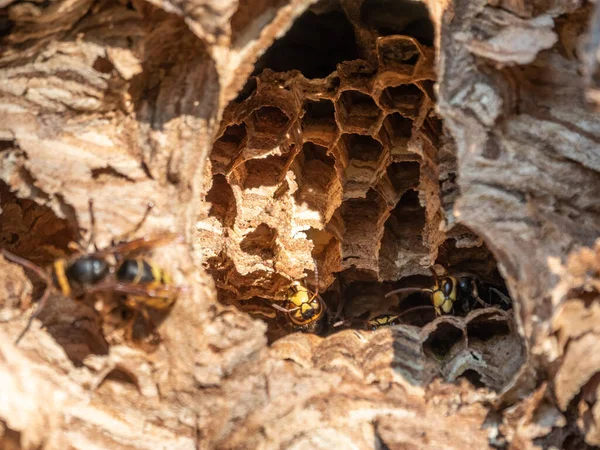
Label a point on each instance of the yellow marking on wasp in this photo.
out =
(381, 321)
(159, 278)
(301, 298)
(438, 298)
(140, 271)
(61, 277)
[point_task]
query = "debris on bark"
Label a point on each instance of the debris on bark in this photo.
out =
(350, 147)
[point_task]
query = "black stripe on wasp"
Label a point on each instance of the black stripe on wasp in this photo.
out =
(462, 289)
(383, 320)
(118, 269)
(296, 309)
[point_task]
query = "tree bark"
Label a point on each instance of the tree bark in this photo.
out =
(127, 103)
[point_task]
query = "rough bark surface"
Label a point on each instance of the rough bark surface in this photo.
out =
(368, 173)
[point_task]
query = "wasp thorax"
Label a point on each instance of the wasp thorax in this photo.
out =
(87, 270)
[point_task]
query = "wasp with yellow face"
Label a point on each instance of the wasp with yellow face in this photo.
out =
(447, 291)
(303, 309)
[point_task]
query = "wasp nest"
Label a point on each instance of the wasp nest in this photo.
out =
(331, 171)
(340, 171)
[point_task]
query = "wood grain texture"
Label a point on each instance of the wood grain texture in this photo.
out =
(121, 102)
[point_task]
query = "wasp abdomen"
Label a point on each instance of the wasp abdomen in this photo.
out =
(87, 270)
(136, 271)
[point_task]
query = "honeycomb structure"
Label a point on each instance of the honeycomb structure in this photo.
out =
(316, 169)
(482, 347)
(347, 183)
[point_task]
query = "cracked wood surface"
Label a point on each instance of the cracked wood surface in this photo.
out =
(121, 102)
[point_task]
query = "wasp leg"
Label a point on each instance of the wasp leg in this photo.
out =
(37, 311)
(340, 309)
(282, 309)
(507, 300)
(40, 273)
(28, 265)
(128, 235)
(339, 323)
(151, 326)
(476, 296)
(130, 326)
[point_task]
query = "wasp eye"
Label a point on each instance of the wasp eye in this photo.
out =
(447, 286)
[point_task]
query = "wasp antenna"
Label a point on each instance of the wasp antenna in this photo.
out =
(36, 313)
(316, 278)
(433, 273)
(127, 236)
(414, 308)
(282, 309)
(408, 289)
(27, 264)
(92, 236)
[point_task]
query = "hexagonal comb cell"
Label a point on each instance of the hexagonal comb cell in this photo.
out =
(393, 17)
(486, 327)
(222, 201)
(363, 218)
(402, 248)
(405, 99)
(398, 131)
(362, 147)
(318, 122)
(260, 242)
(267, 171)
(267, 127)
(340, 162)
(357, 111)
(319, 189)
(227, 147)
(442, 339)
(404, 176)
(398, 51)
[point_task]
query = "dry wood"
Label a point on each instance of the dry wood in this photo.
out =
(127, 103)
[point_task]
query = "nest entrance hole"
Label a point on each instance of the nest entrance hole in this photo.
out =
(320, 39)
(332, 160)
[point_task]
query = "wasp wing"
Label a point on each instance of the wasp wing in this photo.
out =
(148, 294)
(407, 290)
(140, 245)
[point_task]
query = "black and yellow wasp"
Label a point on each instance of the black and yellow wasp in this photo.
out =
(117, 268)
(382, 320)
(303, 309)
(448, 291)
